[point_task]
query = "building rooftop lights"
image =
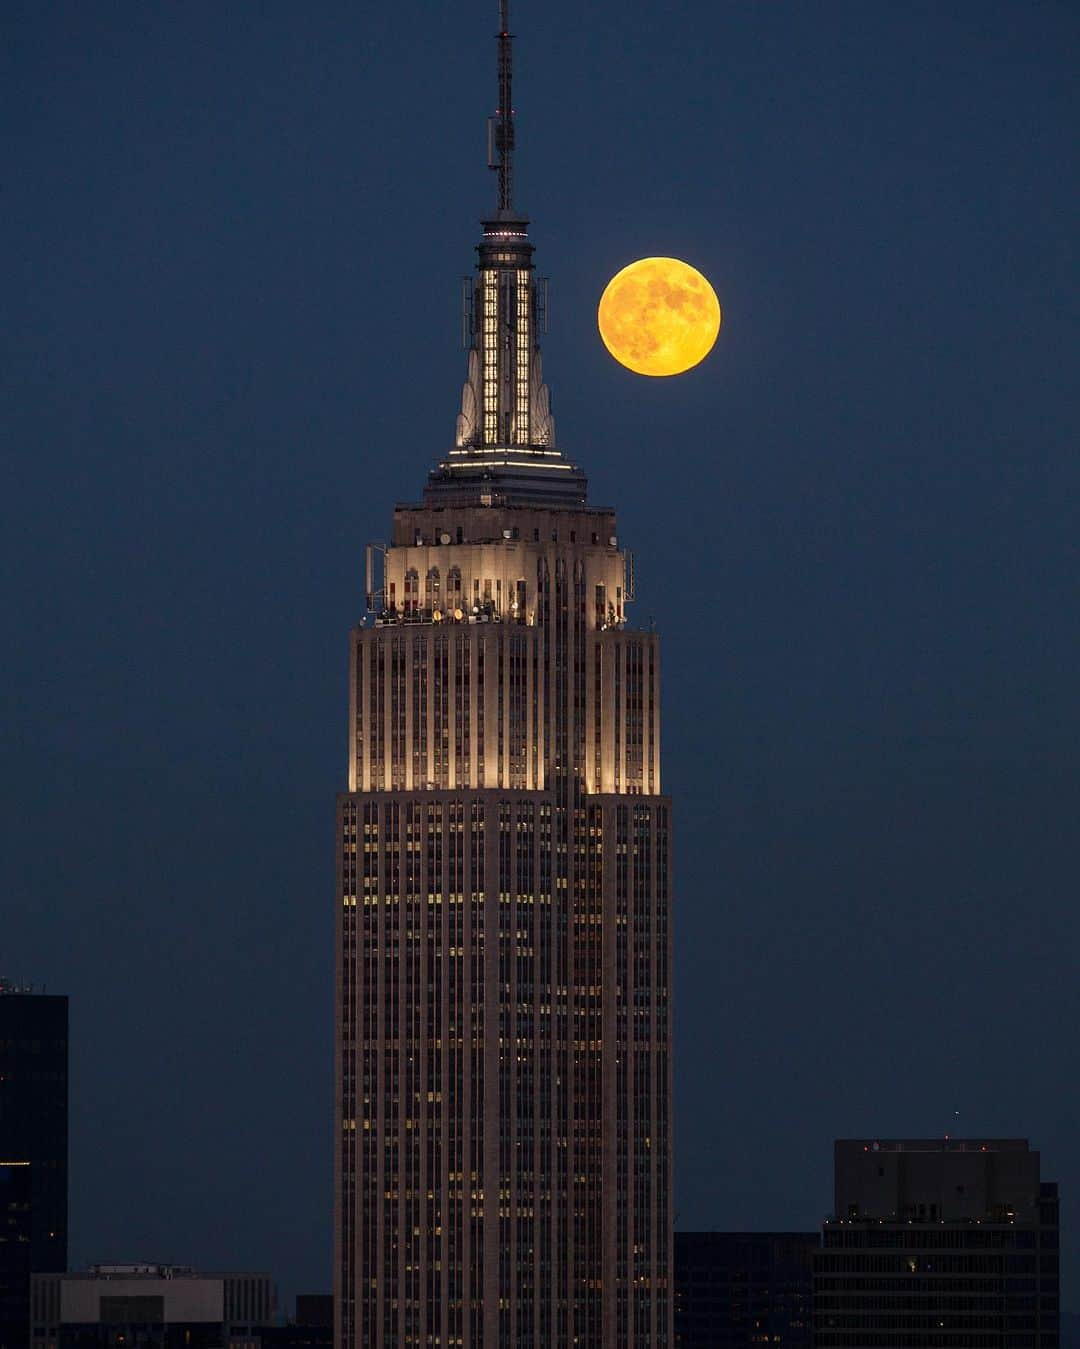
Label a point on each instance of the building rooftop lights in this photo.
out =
(470, 452)
(470, 462)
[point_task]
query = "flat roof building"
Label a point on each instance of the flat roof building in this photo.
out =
(150, 1306)
(938, 1242)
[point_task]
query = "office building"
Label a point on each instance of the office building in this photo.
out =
(736, 1289)
(150, 1306)
(938, 1242)
(33, 1148)
(503, 1172)
(15, 1236)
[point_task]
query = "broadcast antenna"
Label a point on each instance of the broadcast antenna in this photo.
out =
(501, 126)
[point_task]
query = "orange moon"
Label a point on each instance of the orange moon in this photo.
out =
(659, 316)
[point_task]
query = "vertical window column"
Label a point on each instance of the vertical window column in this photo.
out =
(523, 356)
(489, 350)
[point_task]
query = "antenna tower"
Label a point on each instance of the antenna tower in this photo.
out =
(502, 160)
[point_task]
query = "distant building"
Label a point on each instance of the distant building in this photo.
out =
(743, 1288)
(314, 1309)
(150, 1307)
(939, 1242)
(33, 1149)
(15, 1231)
(311, 1328)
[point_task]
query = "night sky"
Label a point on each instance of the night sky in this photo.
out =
(233, 238)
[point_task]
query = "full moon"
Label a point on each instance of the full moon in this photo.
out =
(659, 316)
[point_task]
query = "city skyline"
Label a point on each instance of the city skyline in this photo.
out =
(219, 226)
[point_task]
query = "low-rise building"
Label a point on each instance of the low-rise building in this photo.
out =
(150, 1306)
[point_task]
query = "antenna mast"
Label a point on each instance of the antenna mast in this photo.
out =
(502, 160)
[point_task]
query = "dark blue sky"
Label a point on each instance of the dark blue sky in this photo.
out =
(234, 237)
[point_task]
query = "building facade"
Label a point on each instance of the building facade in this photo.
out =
(503, 1147)
(16, 1234)
(33, 1149)
(150, 1307)
(938, 1242)
(734, 1290)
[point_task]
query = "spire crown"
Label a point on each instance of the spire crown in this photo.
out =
(504, 447)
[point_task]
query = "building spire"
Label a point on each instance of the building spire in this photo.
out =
(501, 126)
(504, 443)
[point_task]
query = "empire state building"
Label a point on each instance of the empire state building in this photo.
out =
(503, 1069)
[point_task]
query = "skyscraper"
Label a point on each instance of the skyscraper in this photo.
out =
(503, 1165)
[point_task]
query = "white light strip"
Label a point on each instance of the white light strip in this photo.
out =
(467, 452)
(508, 463)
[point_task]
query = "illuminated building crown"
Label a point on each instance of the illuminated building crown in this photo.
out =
(505, 451)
